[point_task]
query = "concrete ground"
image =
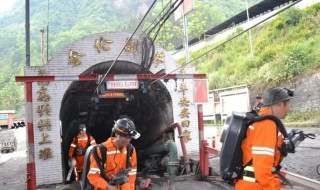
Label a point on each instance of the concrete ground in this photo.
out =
(13, 167)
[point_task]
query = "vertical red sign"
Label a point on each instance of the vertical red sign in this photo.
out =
(200, 91)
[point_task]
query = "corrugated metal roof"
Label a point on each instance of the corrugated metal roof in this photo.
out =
(254, 11)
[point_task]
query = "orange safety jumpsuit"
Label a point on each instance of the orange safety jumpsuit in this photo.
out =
(262, 143)
(115, 160)
(82, 143)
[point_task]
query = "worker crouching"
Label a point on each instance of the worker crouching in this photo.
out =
(119, 167)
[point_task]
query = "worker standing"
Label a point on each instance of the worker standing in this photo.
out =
(78, 148)
(262, 145)
(258, 104)
(120, 164)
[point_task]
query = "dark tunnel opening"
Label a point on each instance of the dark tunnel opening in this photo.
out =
(151, 112)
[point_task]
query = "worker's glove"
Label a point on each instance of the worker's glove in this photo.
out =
(81, 151)
(120, 178)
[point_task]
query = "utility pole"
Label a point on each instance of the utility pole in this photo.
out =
(248, 19)
(42, 47)
(27, 33)
(185, 31)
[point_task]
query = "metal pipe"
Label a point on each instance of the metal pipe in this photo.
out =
(27, 33)
(183, 146)
(248, 19)
(173, 163)
(169, 146)
(42, 47)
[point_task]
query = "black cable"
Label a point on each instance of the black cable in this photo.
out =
(143, 53)
(154, 20)
(318, 169)
(148, 47)
(172, 7)
(148, 43)
(166, 18)
(105, 75)
(152, 49)
(227, 40)
(114, 158)
(310, 136)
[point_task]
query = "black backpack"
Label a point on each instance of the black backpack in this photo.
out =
(92, 150)
(231, 167)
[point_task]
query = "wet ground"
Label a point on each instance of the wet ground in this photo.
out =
(13, 167)
(306, 159)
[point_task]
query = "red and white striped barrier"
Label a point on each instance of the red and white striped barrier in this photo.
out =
(31, 167)
(108, 77)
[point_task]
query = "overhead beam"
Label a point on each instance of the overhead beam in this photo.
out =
(109, 77)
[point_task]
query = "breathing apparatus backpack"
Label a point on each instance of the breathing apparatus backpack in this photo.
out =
(92, 150)
(231, 166)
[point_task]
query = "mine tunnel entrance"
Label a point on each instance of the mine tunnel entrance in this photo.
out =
(150, 108)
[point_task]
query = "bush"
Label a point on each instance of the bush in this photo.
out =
(292, 16)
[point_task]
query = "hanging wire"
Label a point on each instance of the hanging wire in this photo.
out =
(164, 18)
(105, 75)
(230, 39)
(164, 30)
(167, 17)
(154, 19)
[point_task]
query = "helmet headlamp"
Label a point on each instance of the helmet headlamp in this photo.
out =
(131, 133)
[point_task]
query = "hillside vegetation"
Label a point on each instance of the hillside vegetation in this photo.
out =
(74, 19)
(283, 48)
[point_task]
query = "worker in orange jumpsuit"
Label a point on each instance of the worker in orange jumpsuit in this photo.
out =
(116, 158)
(78, 148)
(261, 154)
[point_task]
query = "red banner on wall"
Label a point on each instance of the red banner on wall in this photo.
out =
(183, 9)
(201, 91)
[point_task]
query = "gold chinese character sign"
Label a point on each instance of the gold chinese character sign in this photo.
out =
(43, 96)
(158, 58)
(44, 139)
(102, 44)
(44, 109)
(132, 46)
(183, 87)
(182, 71)
(44, 123)
(43, 73)
(185, 123)
(74, 58)
(186, 135)
(45, 153)
(184, 102)
(184, 113)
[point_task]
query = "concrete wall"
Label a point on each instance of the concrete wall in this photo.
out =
(307, 93)
(49, 171)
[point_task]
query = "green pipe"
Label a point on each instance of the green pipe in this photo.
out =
(171, 147)
(173, 164)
